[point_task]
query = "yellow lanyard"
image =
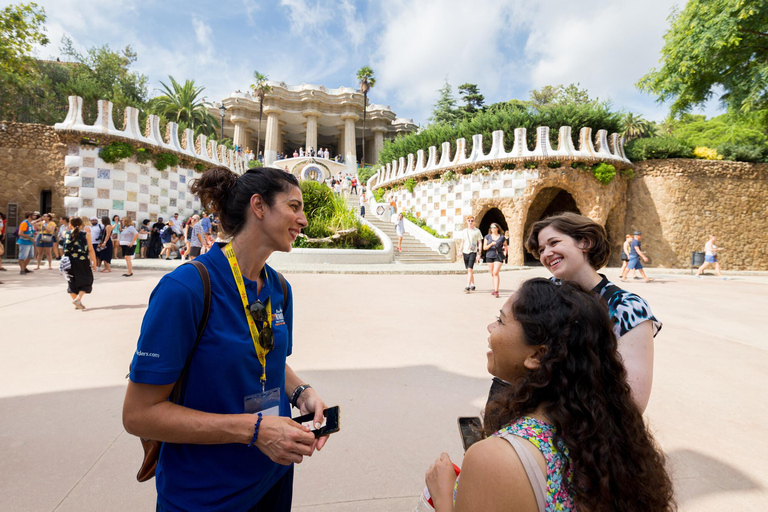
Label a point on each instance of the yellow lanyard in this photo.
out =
(261, 352)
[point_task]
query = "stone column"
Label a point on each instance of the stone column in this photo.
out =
(378, 142)
(311, 141)
(350, 144)
(280, 137)
(270, 140)
(240, 138)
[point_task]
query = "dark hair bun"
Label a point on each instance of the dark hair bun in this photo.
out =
(212, 187)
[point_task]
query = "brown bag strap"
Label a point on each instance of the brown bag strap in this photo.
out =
(176, 392)
(284, 286)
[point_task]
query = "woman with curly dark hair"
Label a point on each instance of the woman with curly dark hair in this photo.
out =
(566, 434)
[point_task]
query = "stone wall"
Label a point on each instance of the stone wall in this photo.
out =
(676, 203)
(31, 161)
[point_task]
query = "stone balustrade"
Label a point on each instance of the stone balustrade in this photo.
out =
(186, 146)
(605, 149)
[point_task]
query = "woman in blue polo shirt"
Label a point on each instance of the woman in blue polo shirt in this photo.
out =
(231, 445)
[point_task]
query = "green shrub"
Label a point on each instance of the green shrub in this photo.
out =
(364, 174)
(554, 164)
(116, 151)
(165, 160)
(467, 170)
(698, 131)
(317, 227)
(744, 152)
(531, 165)
(604, 173)
(422, 224)
(448, 176)
(367, 238)
(627, 173)
(317, 199)
(143, 155)
(509, 166)
(199, 167)
(657, 148)
(256, 163)
(410, 184)
(579, 165)
(378, 195)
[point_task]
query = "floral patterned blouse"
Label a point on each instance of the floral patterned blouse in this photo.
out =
(542, 436)
(76, 249)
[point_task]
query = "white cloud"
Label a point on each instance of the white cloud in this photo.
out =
(423, 43)
(251, 7)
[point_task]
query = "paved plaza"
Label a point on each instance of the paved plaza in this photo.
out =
(403, 355)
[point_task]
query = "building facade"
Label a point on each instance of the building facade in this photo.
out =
(311, 117)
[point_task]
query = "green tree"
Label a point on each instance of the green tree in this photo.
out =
(445, 111)
(260, 88)
(102, 74)
(635, 127)
(367, 80)
(714, 43)
(183, 104)
(559, 94)
(21, 27)
(724, 129)
(473, 100)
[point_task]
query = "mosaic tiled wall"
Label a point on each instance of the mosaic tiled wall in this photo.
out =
(125, 188)
(445, 205)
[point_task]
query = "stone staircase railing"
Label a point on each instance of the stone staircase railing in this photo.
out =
(201, 148)
(604, 149)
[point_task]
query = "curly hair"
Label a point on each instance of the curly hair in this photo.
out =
(581, 385)
(578, 227)
(228, 194)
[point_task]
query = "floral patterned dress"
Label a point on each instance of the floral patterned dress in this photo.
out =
(542, 436)
(80, 274)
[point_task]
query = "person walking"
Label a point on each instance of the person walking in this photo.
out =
(625, 254)
(400, 231)
(495, 246)
(116, 226)
(58, 246)
(78, 247)
(710, 257)
(635, 253)
(573, 248)
(196, 238)
(231, 444)
(166, 235)
(362, 205)
(470, 239)
(3, 226)
(46, 238)
(25, 241)
(128, 236)
(144, 230)
(105, 248)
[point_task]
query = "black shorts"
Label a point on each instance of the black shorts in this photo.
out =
(128, 250)
(494, 259)
(624, 256)
(469, 259)
(194, 251)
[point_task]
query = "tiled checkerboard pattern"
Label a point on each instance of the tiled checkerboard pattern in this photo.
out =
(125, 188)
(444, 206)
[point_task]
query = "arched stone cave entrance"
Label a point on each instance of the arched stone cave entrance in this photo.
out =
(491, 216)
(549, 201)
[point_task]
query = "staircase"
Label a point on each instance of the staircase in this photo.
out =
(413, 250)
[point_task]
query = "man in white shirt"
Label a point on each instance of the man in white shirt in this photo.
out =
(177, 224)
(470, 248)
(710, 257)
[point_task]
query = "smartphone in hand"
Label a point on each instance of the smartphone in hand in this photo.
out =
(330, 422)
(471, 431)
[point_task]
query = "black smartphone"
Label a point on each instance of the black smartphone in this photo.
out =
(471, 430)
(330, 422)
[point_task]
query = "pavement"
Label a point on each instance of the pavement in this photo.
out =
(403, 355)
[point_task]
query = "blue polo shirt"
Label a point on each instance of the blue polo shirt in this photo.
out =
(223, 371)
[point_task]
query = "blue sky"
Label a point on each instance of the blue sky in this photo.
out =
(507, 47)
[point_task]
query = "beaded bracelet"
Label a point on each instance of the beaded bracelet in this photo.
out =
(255, 431)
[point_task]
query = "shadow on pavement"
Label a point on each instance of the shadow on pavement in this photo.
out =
(697, 475)
(119, 306)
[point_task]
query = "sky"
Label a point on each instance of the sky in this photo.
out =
(506, 47)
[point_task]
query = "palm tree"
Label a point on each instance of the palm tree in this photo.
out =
(183, 104)
(367, 80)
(635, 127)
(260, 89)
